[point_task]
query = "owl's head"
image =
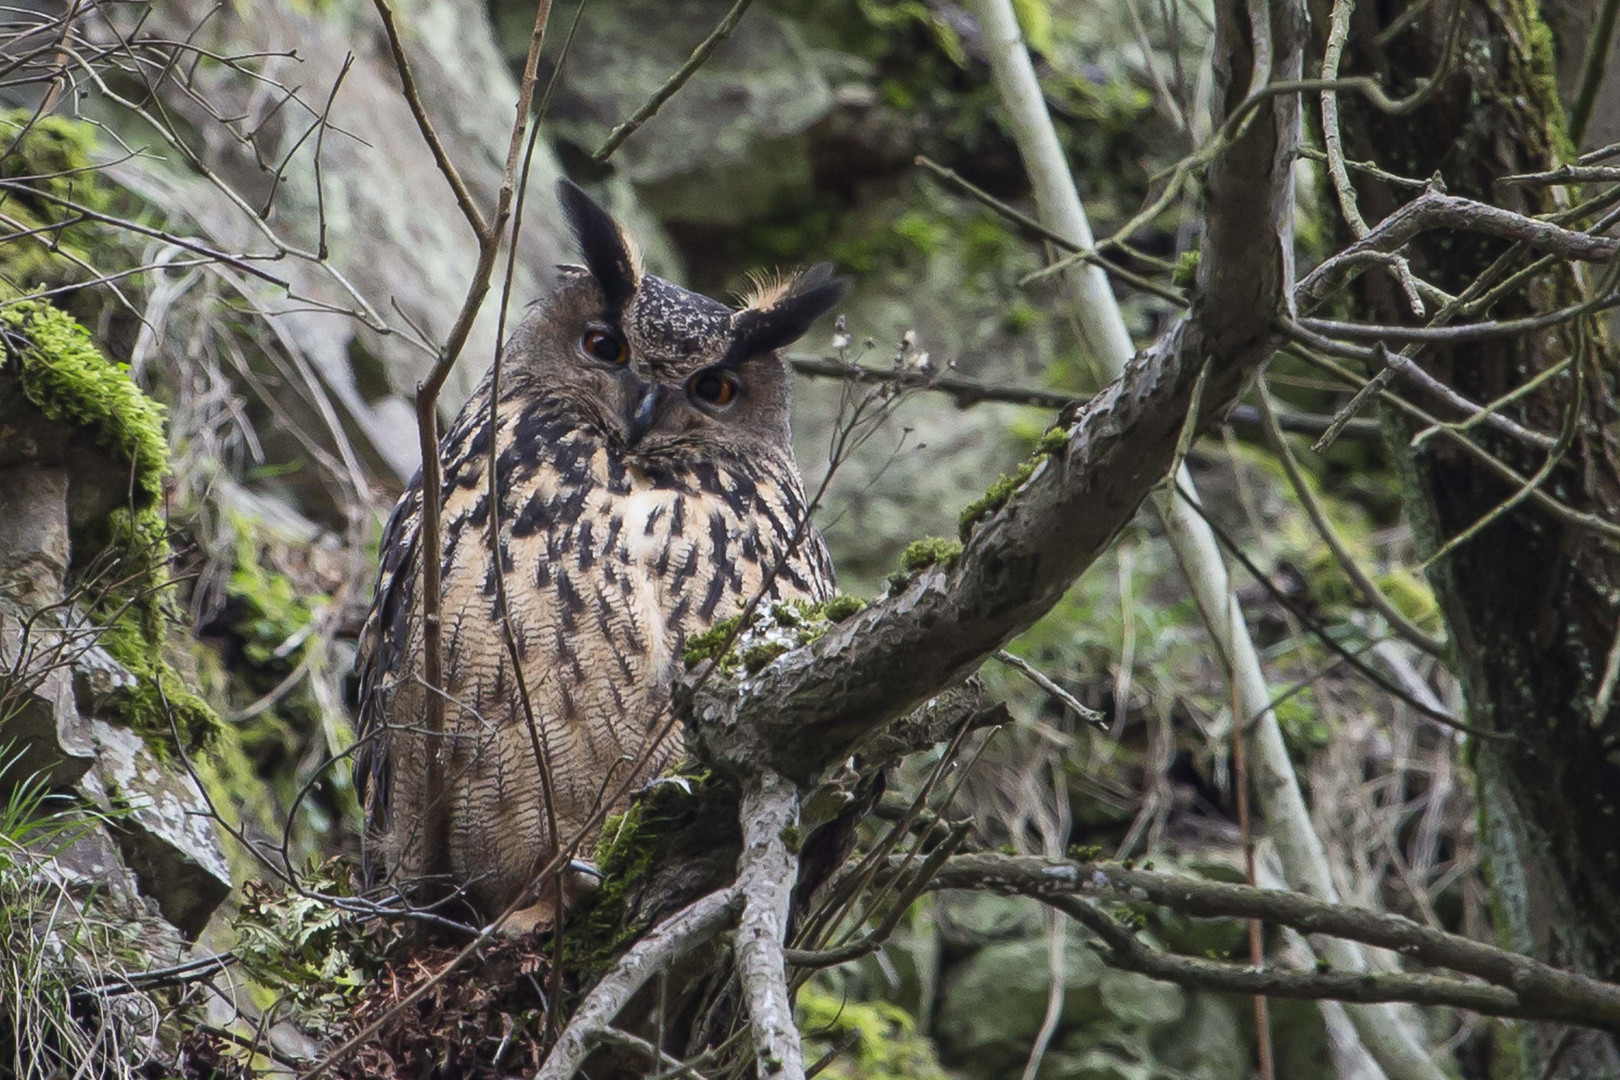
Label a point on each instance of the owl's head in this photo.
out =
(653, 368)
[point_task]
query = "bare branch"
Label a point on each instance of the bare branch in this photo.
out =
(966, 393)
(1529, 988)
(688, 928)
(766, 871)
(1435, 210)
(413, 98)
(1330, 536)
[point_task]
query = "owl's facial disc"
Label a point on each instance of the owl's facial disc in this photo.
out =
(669, 373)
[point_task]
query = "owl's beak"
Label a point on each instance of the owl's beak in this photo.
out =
(643, 403)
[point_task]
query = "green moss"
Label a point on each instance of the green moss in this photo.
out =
(807, 622)
(159, 692)
(48, 159)
(759, 657)
(1054, 439)
(793, 837)
(1186, 271)
(1303, 728)
(712, 643)
(996, 496)
(1541, 77)
(52, 154)
(631, 846)
(268, 608)
(842, 607)
(887, 1045)
(63, 373)
(929, 551)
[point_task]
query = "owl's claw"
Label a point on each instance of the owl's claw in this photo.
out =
(589, 869)
(679, 781)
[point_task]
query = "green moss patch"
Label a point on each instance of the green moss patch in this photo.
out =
(269, 609)
(929, 551)
(887, 1045)
(48, 159)
(67, 377)
(713, 642)
(773, 631)
(122, 560)
(631, 848)
(999, 492)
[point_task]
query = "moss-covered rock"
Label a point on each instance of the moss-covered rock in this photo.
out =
(62, 372)
(120, 556)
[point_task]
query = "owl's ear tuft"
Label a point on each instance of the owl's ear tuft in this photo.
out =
(778, 313)
(608, 252)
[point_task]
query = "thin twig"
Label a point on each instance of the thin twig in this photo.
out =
(1330, 536)
(674, 83)
(1039, 678)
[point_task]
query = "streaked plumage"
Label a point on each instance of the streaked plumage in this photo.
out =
(634, 512)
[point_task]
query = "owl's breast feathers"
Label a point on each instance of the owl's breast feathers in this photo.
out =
(608, 567)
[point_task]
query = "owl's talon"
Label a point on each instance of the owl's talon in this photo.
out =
(532, 919)
(679, 781)
(581, 866)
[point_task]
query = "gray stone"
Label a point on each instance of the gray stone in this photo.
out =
(97, 677)
(41, 732)
(971, 919)
(33, 533)
(1136, 1000)
(381, 195)
(90, 864)
(1209, 1043)
(763, 83)
(992, 1004)
(163, 827)
(39, 457)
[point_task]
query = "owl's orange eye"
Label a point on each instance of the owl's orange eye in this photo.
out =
(713, 387)
(604, 346)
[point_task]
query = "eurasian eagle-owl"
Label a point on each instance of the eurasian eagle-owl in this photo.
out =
(646, 489)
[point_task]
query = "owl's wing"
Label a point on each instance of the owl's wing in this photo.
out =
(382, 647)
(818, 558)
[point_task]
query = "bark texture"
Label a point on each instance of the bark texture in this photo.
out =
(1530, 600)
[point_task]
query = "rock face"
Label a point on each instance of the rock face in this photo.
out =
(161, 824)
(138, 824)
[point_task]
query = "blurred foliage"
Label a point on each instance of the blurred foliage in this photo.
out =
(869, 1040)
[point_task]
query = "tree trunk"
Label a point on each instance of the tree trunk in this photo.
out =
(1530, 599)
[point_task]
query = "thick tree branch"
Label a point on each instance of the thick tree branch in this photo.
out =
(1529, 988)
(766, 871)
(592, 1023)
(815, 704)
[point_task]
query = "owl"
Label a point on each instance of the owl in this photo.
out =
(646, 489)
